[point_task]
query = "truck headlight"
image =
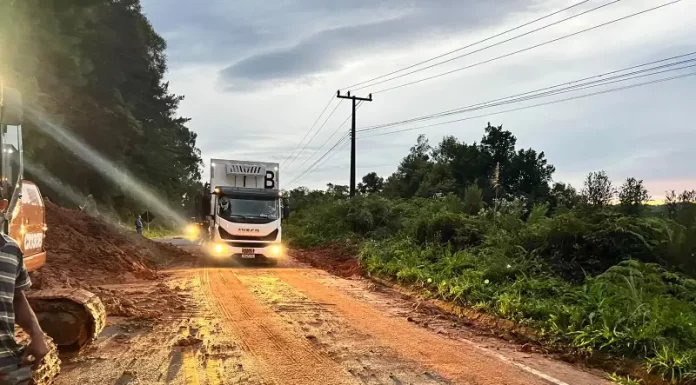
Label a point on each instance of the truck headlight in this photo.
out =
(219, 248)
(276, 250)
(192, 230)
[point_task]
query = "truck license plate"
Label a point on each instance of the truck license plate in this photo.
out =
(248, 253)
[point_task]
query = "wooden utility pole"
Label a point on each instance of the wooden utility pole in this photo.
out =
(352, 136)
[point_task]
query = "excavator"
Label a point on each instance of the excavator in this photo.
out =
(72, 317)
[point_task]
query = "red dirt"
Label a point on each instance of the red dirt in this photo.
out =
(86, 252)
(334, 259)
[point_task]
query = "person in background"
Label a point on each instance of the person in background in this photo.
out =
(139, 225)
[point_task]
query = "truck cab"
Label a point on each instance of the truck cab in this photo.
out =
(245, 210)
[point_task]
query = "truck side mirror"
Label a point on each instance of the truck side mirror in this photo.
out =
(286, 212)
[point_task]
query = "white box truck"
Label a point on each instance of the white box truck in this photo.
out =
(242, 209)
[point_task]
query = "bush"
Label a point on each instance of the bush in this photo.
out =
(449, 228)
(590, 277)
(633, 309)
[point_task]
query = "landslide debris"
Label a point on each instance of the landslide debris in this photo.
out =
(105, 259)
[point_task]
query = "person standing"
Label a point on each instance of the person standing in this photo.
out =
(139, 225)
(14, 280)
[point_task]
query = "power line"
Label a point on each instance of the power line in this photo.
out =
(537, 105)
(569, 87)
(325, 142)
(527, 48)
(308, 131)
(343, 140)
(354, 99)
(492, 45)
(315, 134)
(467, 46)
(328, 155)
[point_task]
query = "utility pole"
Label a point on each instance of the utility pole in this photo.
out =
(352, 136)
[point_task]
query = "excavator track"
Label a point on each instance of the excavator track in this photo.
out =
(73, 318)
(50, 367)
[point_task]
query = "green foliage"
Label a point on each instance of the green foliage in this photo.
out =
(633, 309)
(452, 167)
(473, 199)
(624, 380)
(633, 196)
(371, 184)
(595, 276)
(598, 190)
(97, 69)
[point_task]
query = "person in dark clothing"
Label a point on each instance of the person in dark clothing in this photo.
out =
(139, 225)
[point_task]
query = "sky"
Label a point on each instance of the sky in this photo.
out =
(257, 75)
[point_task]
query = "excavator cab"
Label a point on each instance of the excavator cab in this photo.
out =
(71, 317)
(11, 162)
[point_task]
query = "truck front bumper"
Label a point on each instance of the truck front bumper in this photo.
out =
(225, 250)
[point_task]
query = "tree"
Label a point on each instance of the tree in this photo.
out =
(633, 196)
(371, 184)
(452, 166)
(598, 190)
(96, 69)
(563, 196)
(337, 191)
(412, 170)
(682, 207)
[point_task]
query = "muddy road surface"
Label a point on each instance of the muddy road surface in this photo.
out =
(293, 324)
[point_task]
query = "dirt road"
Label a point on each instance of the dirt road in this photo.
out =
(293, 324)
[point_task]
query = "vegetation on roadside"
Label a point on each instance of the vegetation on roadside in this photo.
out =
(95, 69)
(482, 225)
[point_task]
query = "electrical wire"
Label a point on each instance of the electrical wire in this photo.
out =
(535, 105)
(342, 141)
(467, 46)
(527, 48)
(315, 134)
(357, 106)
(328, 155)
(331, 99)
(552, 90)
(492, 45)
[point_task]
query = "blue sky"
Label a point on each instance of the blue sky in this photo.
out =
(256, 76)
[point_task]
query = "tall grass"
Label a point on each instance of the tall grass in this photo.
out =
(592, 279)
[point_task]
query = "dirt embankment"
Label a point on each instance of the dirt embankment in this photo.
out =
(337, 260)
(86, 252)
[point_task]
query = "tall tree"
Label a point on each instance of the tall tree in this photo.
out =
(371, 184)
(633, 196)
(96, 69)
(598, 190)
(411, 172)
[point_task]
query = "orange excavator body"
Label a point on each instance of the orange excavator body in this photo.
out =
(28, 226)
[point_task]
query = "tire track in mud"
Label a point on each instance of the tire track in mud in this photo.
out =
(456, 361)
(217, 366)
(191, 368)
(282, 358)
(365, 358)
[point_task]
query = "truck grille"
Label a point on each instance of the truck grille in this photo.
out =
(263, 238)
(246, 169)
(254, 245)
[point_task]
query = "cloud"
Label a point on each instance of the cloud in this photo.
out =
(330, 49)
(283, 60)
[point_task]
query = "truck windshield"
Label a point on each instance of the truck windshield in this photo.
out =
(237, 210)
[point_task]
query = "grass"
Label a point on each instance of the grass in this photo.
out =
(598, 282)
